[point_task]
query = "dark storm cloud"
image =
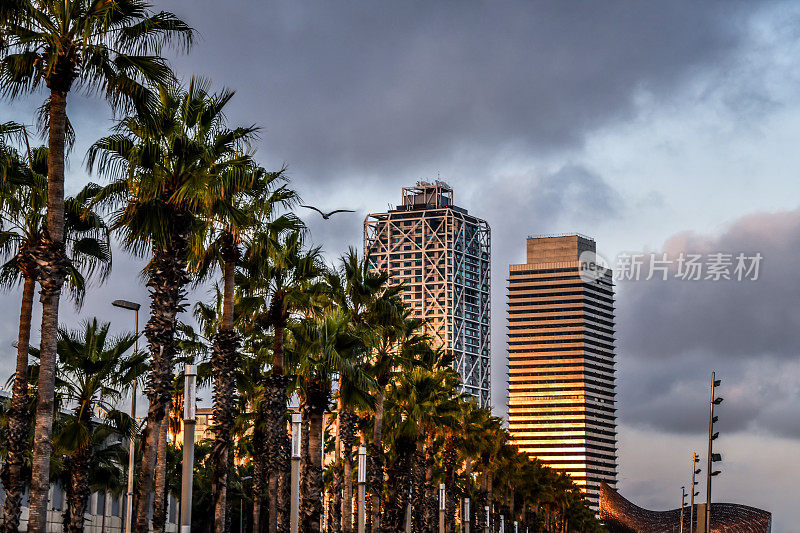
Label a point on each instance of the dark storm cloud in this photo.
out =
(365, 88)
(673, 333)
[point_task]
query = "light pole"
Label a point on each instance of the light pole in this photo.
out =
(362, 485)
(465, 518)
(241, 505)
(695, 471)
(442, 496)
(486, 518)
(189, 396)
(712, 457)
(131, 306)
(294, 511)
(683, 504)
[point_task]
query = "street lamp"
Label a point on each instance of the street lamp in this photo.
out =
(241, 505)
(362, 488)
(131, 306)
(695, 471)
(465, 518)
(683, 504)
(712, 457)
(442, 505)
(189, 421)
(294, 506)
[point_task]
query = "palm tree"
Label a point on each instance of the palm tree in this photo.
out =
(94, 373)
(164, 163)
(358, 291)
(22, 212)
(283, 277)
(321, 347)
(245, 198)
(393, 337)
(99, 45)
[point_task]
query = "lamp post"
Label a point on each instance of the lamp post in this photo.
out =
(486, 518)
(465, 517)
(189, 396)
(712, 457)
(241, 505)
(442, 496)
(362, 485)
(683, 504)
(695, 471)
(294, 511)
(131, 306)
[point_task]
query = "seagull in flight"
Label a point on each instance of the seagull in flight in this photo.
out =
(326, 216)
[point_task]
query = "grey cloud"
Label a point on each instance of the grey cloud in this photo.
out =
(672, 334)
(354, 87)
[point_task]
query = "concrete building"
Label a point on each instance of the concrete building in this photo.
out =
(442, 254)
(561, 390)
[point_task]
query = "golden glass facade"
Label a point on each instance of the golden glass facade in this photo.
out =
(561, 390)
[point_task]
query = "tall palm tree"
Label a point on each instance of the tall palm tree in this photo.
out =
(244, 199)
(321, 347)
(105, 46)
(284, 276)
(393, 338)
(358, 291)
(94, 373)
(163, 164)
(22, 219)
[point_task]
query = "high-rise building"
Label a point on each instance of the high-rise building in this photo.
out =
(561, 360)
(442, 254)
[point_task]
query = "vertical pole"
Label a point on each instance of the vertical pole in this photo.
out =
(502, 523)
(486, 518)
(132, 445)
(442, 496)
(708, 466)
(691, 497)
(683, 504)
(189, 398)
(362, 486)
(294, 512)
(466, 515)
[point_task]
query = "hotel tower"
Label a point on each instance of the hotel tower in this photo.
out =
(561, 360)
(442, 254)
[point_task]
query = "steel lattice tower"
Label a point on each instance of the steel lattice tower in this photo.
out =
(442, 254)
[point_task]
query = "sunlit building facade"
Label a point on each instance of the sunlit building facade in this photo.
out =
(561, 406)
(442, 254)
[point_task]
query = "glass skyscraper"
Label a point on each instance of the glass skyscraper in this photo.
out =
(442, 254)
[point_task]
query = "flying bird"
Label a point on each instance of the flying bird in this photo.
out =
(326, 216)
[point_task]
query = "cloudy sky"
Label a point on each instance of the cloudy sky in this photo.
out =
(652, 127)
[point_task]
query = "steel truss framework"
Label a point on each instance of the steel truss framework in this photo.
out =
(442, 254)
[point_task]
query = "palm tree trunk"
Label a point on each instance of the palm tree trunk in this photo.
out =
(311, 485)
(224, 361)
(77, 491)
(52, 264)
(335, 499)
(348, 438)
(276, 435)
(418, 504)
(167, 280)
(259, 471)
(449, 458)
(18, 417)
(399, 482)
(375, 470)
(160, 490)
